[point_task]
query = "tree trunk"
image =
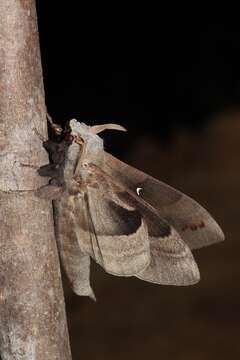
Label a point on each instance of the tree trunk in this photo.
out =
(32, 310)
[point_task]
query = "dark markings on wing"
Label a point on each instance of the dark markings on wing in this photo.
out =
(128, 220)
(118, 233)
(156, 226)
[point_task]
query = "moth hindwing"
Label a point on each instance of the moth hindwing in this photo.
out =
(100, 214)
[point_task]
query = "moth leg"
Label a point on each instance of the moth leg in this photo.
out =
(82, 151)
(49, 170)
(40, 136)
(50, 146)
(49, 192)
(57, 129)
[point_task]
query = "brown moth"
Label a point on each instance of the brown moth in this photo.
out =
(100, 214)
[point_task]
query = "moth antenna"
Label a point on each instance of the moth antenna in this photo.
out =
(96, 129)
(56, 128)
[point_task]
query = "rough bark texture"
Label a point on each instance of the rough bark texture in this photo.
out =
(32, 312)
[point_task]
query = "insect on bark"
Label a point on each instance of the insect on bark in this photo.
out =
(127, 221)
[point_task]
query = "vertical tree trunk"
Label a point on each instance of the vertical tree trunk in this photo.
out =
(32, 311)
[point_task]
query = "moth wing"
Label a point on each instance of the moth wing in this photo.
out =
(171, 259)
(195, 225)
(75, 260)
(119, 233)
(172, 262)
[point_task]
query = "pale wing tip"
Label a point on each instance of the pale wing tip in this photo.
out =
(213, 235)
(219, 234)
(191, 275)
(191, 279)
(168, 272)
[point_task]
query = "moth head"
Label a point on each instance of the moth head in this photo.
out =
(86, 144)
(82, 135)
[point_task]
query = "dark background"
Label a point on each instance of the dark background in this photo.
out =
(174, 82)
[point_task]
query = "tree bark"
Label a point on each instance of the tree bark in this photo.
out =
(32, 310)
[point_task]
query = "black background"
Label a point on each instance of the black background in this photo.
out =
(141, 67)
(172, 78)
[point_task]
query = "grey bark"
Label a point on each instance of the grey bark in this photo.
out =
(32, 310)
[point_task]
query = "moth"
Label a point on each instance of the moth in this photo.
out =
(100, 213)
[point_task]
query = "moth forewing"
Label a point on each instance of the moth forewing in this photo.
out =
(193, 223)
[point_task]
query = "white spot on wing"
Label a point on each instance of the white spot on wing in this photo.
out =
(138, 190)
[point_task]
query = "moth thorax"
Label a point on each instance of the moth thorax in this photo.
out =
(93, 151)
(71, 160)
